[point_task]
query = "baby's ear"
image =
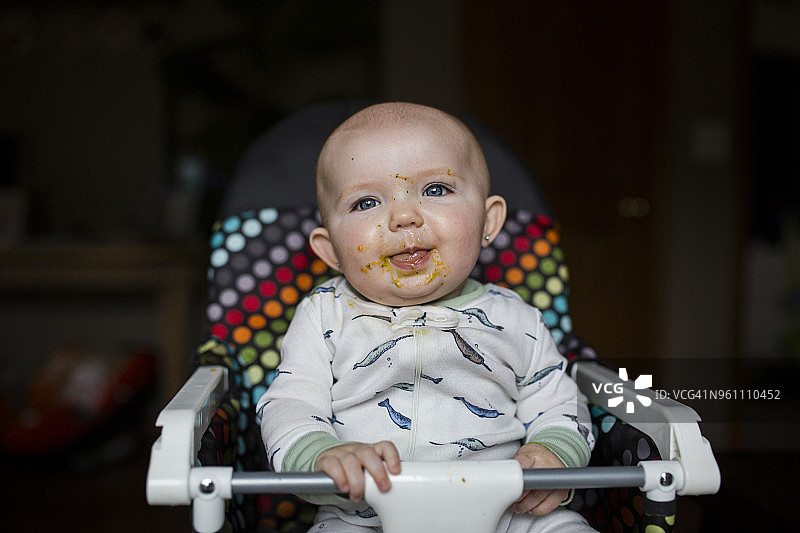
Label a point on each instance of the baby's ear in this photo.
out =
(320, 242)
(495, 218)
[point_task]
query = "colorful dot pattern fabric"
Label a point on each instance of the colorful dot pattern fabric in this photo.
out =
(527, 257)
(617, 510)
(261, 267)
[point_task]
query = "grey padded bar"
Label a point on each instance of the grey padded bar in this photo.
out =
(533, 478)
(583, 478)
(272, 482)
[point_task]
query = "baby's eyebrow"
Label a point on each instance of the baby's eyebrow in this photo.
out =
(351, 191)
(441, 171)
(444, 175)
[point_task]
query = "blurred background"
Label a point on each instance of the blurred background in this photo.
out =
(665, 134)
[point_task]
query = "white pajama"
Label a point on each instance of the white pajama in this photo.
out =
(472, 378)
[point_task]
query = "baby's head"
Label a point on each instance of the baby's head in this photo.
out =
(403, 190)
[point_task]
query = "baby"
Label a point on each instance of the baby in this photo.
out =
(405, 357)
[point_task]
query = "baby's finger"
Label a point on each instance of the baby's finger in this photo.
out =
(355, 476)
(540, 502)
(529, 500)
(390, 455)
(373, 463)
(550, 502)
(333, 468)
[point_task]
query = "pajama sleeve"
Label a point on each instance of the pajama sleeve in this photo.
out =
(296, 408)
(552, 406)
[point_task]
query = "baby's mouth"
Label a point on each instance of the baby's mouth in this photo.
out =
(411, 259)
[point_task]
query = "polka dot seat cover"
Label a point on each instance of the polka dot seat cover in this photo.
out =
(261, 267)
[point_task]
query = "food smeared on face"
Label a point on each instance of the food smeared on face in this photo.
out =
(410, 263)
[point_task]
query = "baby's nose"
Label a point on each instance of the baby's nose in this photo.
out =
(406, 213)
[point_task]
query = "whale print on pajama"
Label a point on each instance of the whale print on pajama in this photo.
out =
(320, 290)
(478, 411)
(480, 314)
(468, 351)
(400, 420)
(470, 443)
(540, 375)
(378, 351)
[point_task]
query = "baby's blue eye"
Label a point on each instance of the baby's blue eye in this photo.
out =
(437, 189)
(365, 203)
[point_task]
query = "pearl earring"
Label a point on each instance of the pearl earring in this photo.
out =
(486, 237)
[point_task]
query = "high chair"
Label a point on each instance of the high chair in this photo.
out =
(210, 452)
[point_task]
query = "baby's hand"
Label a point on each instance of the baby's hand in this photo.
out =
(346, 465)
(541, 501)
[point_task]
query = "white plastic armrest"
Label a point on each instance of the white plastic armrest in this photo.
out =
(183, 422)
(672, 425)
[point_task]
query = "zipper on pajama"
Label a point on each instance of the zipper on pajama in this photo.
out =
(418, 334)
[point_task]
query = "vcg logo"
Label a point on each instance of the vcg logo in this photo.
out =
(616, 390)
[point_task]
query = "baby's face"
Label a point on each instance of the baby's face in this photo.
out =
(405, 213)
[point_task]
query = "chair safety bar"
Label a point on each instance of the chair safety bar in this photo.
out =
(543, 478)
(172, 478)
